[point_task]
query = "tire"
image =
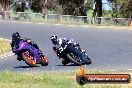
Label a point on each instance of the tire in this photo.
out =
(81, 80)
(44, 61)
(72, 59)
(87, 61)
(29, 59)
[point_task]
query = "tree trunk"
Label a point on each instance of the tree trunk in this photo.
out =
(130, 23)
(1, 11)
(7, 13)
(98, 10)
(45, 10)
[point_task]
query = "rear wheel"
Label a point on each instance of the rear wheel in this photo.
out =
(28, 58)
(44, 61)
(73, 58)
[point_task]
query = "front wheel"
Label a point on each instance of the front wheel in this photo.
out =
(87, 61)
(73, 58)
(28, 58)
(44, 61)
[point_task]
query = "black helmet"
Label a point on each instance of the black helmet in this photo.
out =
(16, 36)
(54, 39)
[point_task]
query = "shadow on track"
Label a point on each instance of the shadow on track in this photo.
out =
(25, 67)
(68, 65)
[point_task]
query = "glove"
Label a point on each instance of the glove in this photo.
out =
(78, 44)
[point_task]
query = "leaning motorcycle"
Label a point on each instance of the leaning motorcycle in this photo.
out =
(29, 54)
(72, 53)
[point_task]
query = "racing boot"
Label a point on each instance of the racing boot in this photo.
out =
(65, 62)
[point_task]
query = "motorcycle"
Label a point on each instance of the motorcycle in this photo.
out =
(29, 54)
(72, 53)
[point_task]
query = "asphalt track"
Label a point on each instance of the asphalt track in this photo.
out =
(109, 49)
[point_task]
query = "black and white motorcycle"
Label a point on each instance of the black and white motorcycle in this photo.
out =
(72, 53)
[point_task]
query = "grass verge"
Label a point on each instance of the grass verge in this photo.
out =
(4, 46)
(48, 80)
(76, 24)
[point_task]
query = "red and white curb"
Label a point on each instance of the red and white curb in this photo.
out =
(6, 54)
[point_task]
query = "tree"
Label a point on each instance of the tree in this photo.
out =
(4, 4)
(43, 6)
(98, 10)
(75, 7)
(69, 7)
(121, 8)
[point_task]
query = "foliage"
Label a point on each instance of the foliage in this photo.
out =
(121, 8)
(43, 5)
(66, 7)
(107, 13)
(5, 46)
(76, 7)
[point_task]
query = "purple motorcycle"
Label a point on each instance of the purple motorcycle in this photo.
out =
(29, 54)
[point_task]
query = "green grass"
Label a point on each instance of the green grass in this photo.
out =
(4, 46)
(44, 80)
(36, 18)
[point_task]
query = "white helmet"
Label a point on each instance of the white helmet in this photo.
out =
(54, 39)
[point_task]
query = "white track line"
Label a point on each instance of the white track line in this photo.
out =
(84, 26)
(129, 69)
(71, 25)
(27, 22)
(40, 23)
(5, 39)
(56, 24)
(8, 55)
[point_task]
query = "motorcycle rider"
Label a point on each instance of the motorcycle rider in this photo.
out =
(16, 39)
(59, 45)
(61, 42)
(65, 41)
